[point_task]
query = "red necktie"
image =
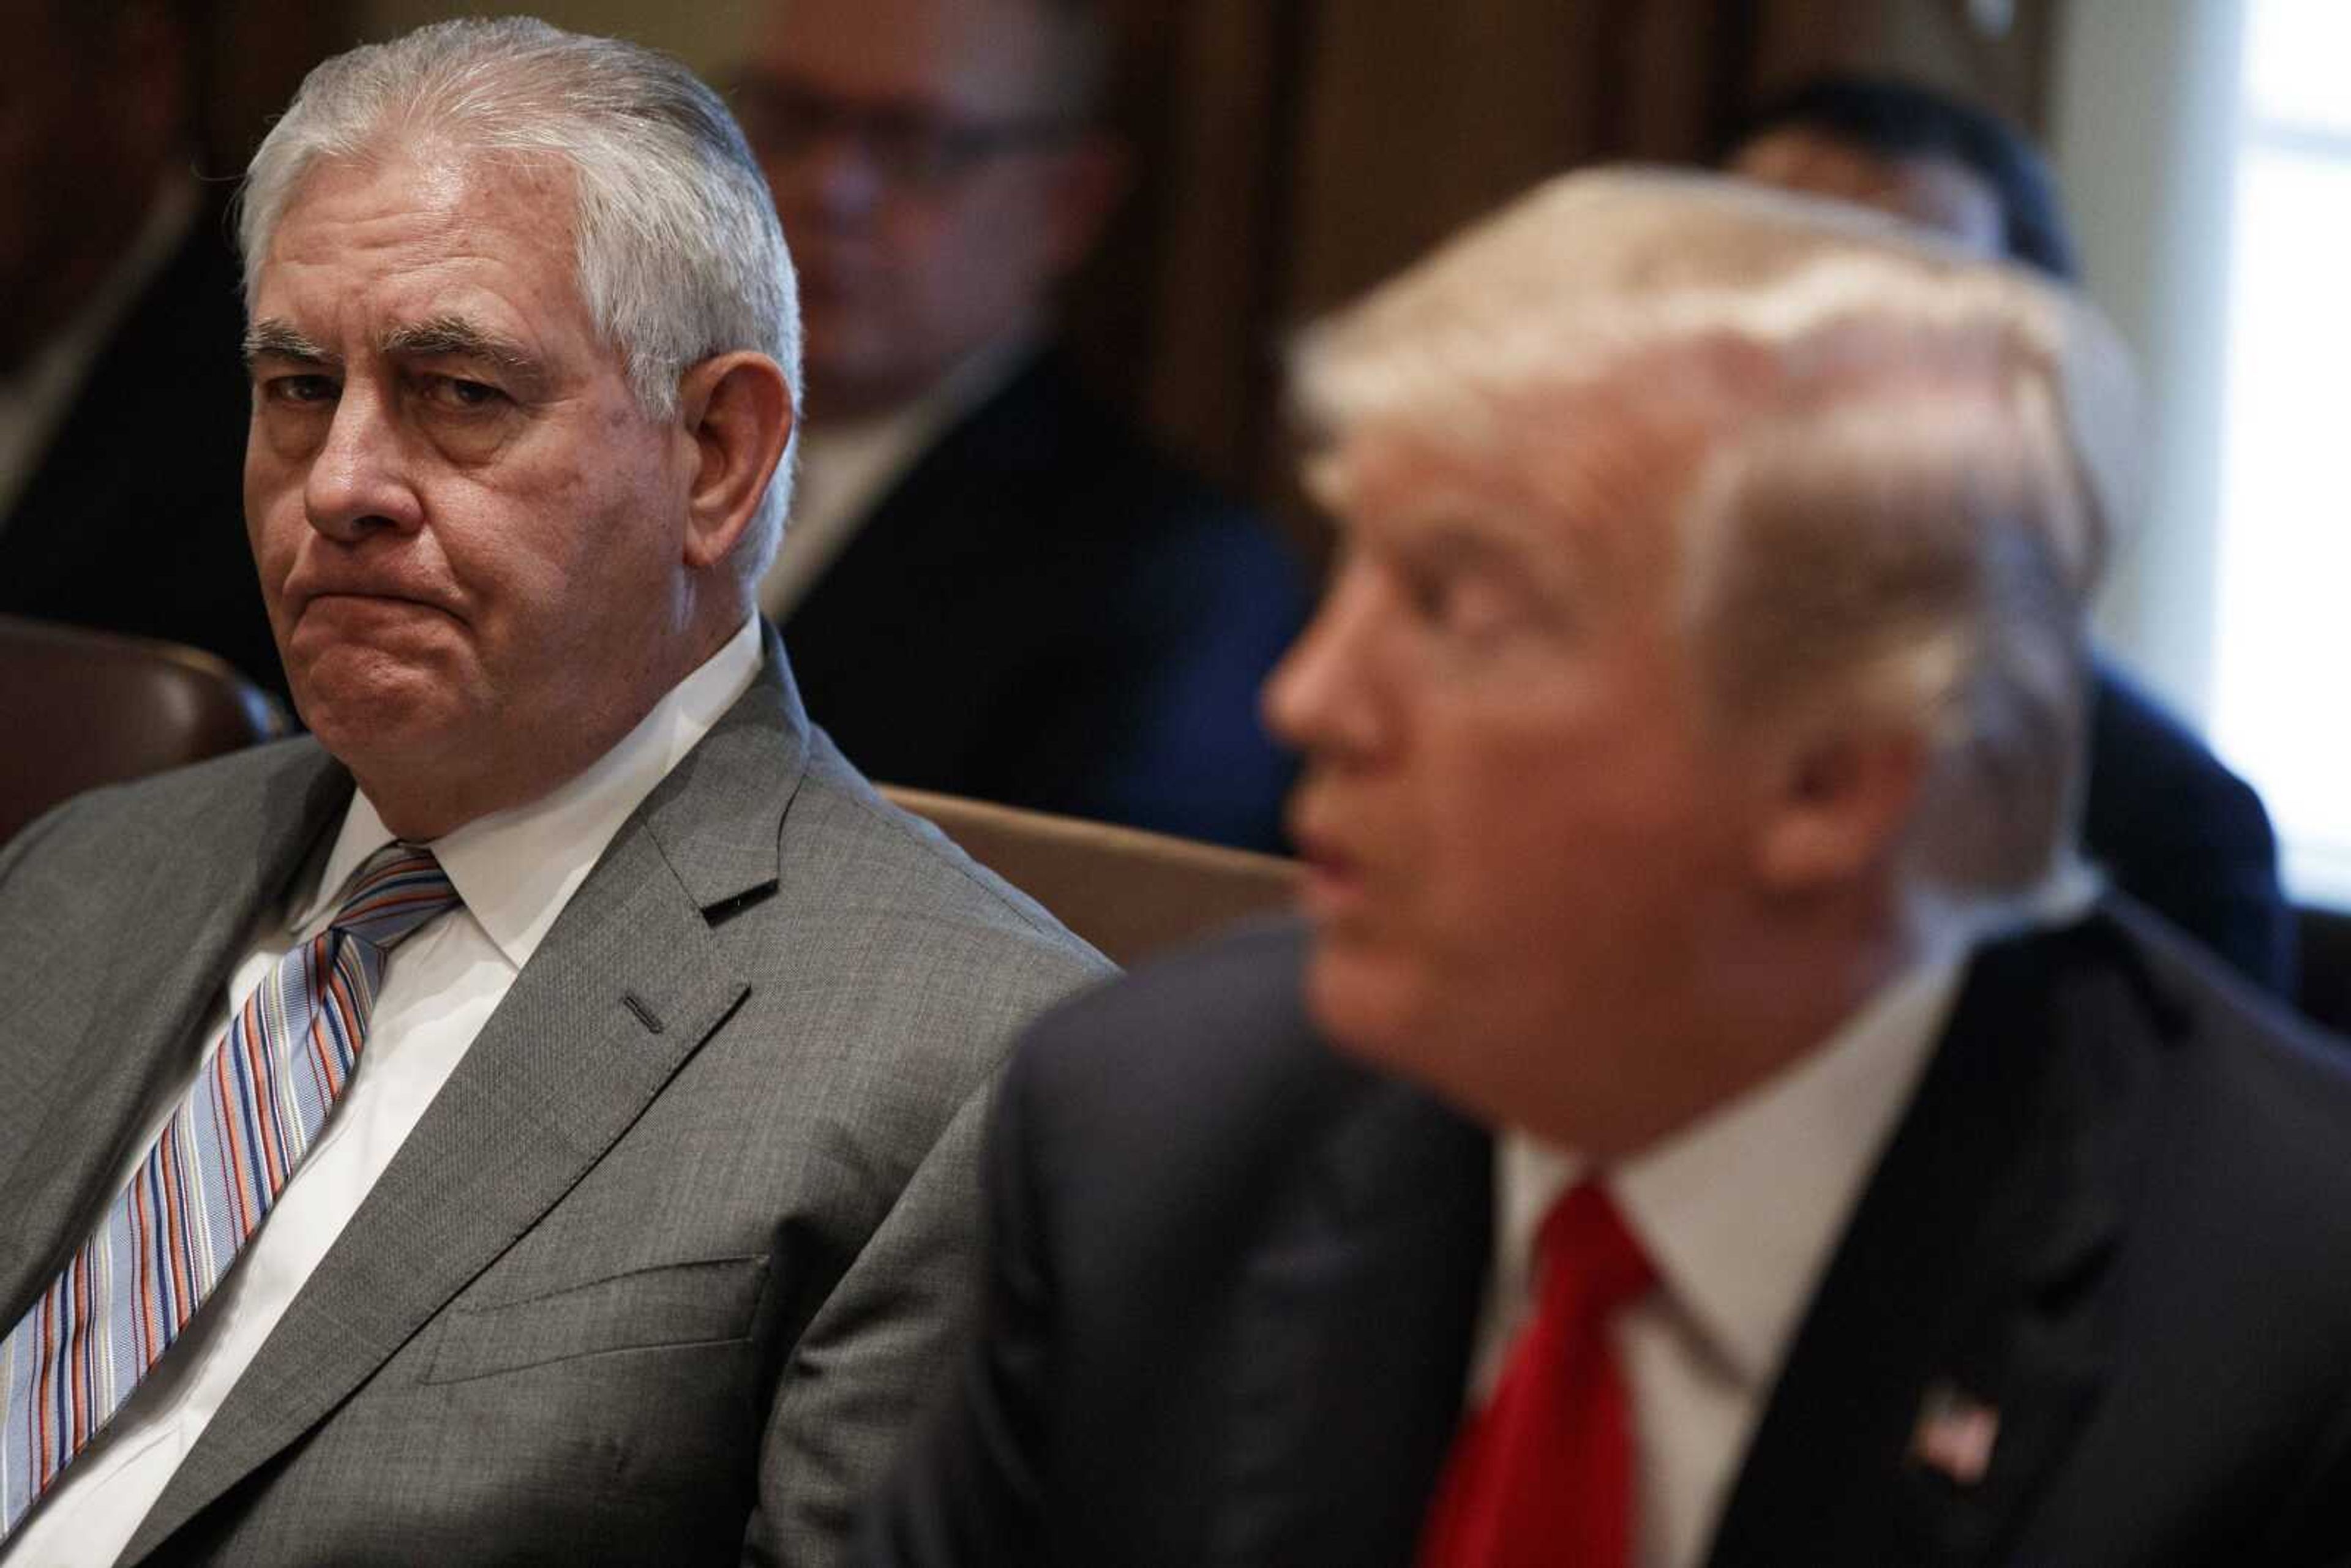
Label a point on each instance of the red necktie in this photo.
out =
(1543, 1478)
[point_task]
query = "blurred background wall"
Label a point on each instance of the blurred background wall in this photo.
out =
(1292, 151)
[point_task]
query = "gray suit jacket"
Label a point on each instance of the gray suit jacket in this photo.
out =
(661, 1269)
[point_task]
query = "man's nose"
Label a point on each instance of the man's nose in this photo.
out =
(358, 480)
(1320, 698)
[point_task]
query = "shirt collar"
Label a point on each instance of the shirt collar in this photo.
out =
(854, 463)
(1739, 1212)
(518, 868)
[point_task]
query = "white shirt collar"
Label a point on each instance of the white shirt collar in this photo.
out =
(1739, 1210)
(518, 868)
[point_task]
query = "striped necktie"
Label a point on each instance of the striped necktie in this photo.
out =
(258, 1100)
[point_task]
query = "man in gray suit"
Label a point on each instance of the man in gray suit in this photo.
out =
(533, 1118)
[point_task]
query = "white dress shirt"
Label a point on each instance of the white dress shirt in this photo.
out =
(35, 400)
(1738, 1213)
(515, 872)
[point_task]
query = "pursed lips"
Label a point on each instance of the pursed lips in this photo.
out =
(372, 596)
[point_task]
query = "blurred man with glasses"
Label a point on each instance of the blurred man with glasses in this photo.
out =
(994, 586)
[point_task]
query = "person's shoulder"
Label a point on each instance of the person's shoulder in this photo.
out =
(876, 960)
(2258, 1094)
(94, 868)
(1173, 539)
(2231, 1197)
(1208, 1044)
(1158, 1118)
(1241, 988)
(887, 882)
(2146, 757)
(1053, 436)
(187, 804)
(2263, 1067)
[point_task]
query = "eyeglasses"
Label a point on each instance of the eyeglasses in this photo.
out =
(914, 148)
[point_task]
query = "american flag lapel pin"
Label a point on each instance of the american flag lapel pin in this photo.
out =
(1955, 1434)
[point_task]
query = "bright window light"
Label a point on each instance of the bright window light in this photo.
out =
(2283, 653)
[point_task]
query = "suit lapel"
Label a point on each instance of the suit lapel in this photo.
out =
(1970, 1297)
(158, 998)
(630, 982)
(1338, 1435)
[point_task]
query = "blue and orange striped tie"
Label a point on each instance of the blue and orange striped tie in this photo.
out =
(257, 1103)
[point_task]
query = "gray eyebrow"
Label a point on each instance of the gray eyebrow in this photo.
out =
(279, 341)
(456, 336)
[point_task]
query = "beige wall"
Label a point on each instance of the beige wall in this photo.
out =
(1290, 151)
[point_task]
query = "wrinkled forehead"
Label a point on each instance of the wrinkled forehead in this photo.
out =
(519, 207)
(436, 180)
(422, 234)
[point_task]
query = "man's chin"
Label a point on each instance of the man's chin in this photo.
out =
(362, 707)
(1359, 998)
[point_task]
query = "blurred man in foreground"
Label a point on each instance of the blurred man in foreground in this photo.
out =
(1704, 1063)
(994, 586)
(535, 1117)
(2172, 825)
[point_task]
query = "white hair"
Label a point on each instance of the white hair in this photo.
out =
(678, 253)
(1890, 471)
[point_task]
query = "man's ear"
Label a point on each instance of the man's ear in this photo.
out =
(1843, 792)
(737, 410)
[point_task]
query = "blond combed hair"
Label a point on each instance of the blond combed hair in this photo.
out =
(1891, 472)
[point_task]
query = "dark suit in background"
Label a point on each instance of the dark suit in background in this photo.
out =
(133, 519)
(1046, 613)
(2116, 1210)
(2179, 832)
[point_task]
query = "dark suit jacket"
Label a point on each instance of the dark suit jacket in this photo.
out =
(662, 1269)
(134, 519)
(2183, 835)
(1046, 613)
(1234, 1278)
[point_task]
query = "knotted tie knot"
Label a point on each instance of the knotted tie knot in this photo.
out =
(1587, 1254)
(399, 888)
